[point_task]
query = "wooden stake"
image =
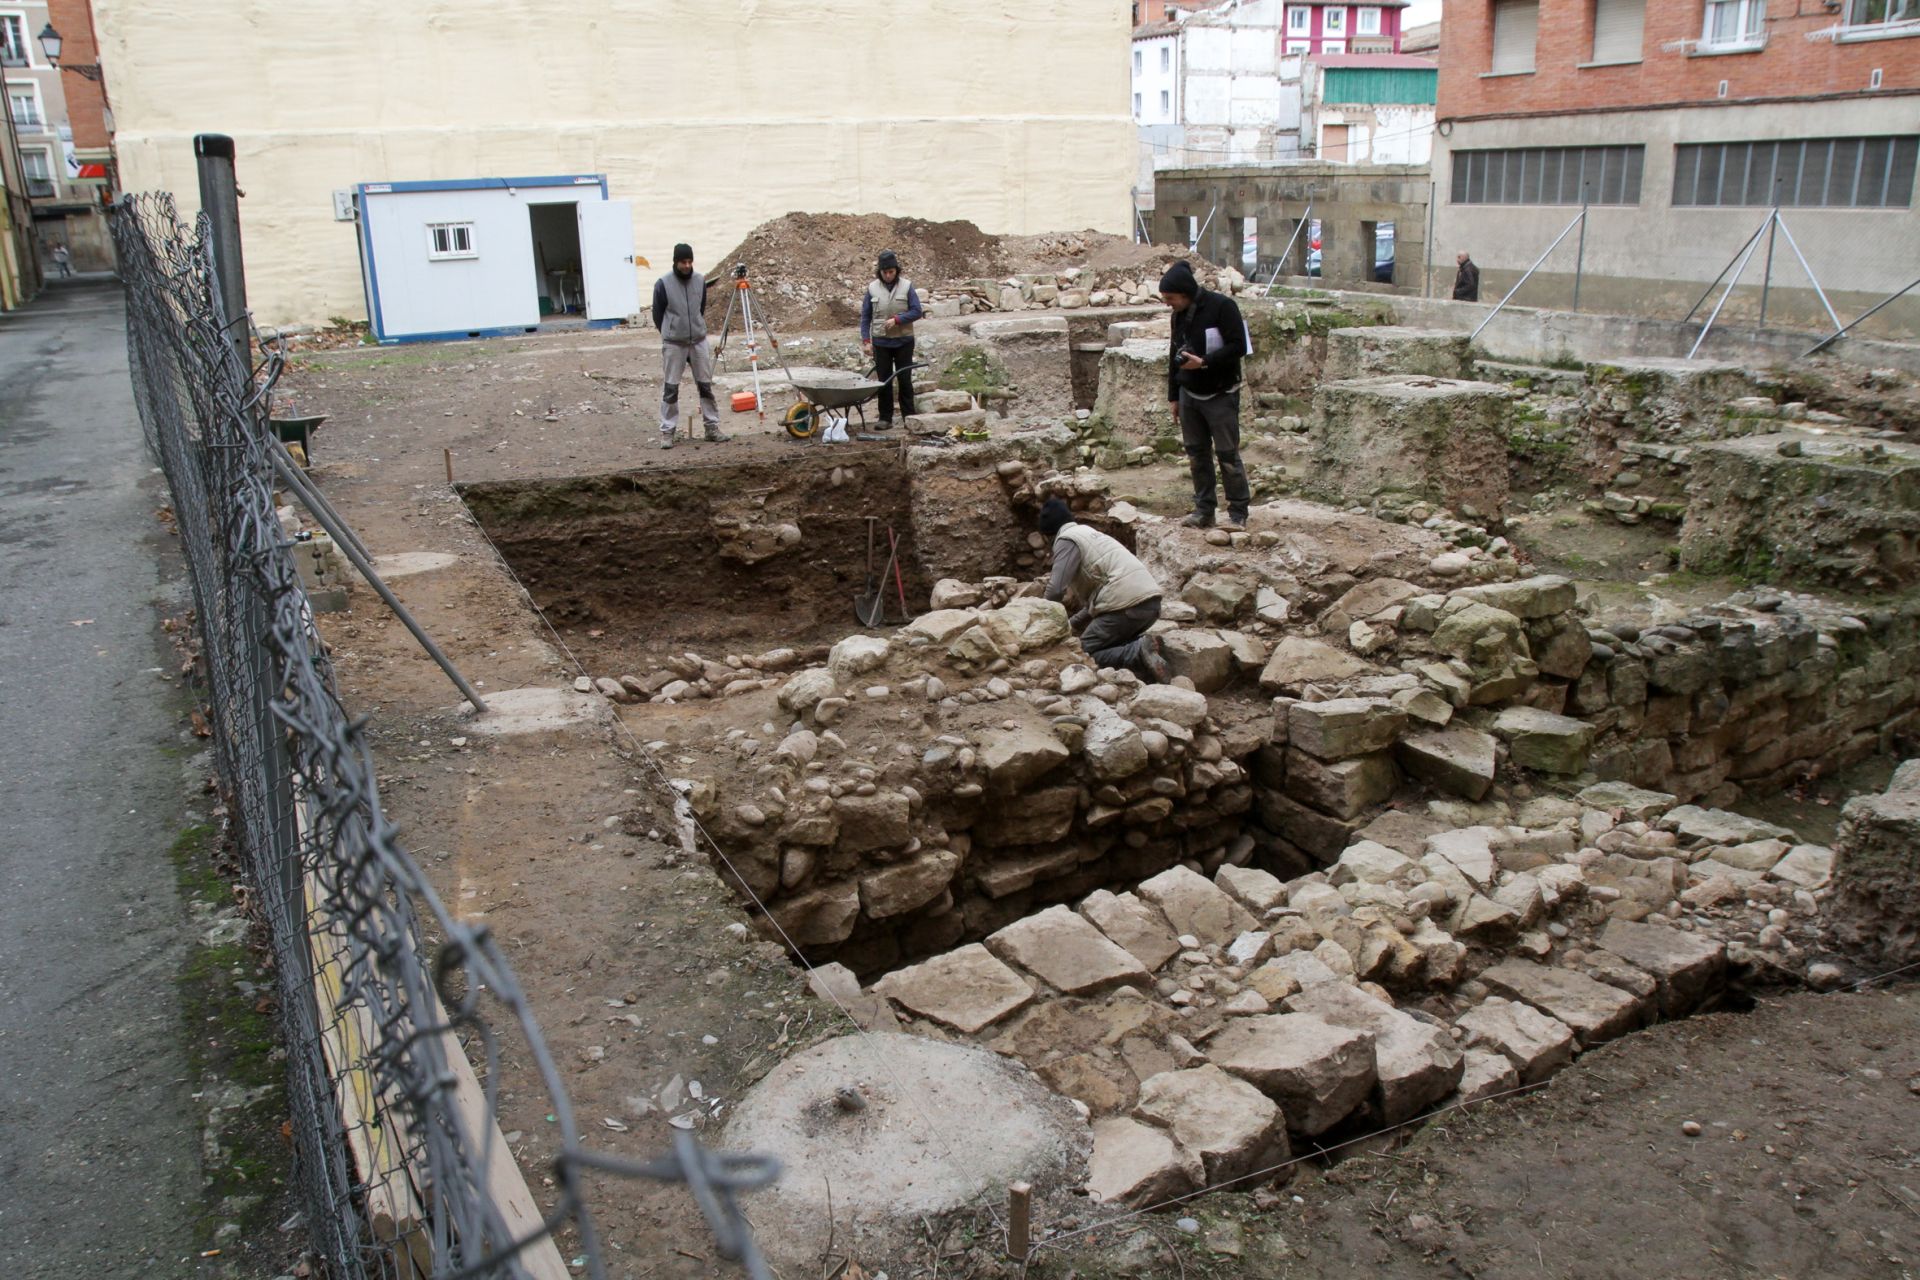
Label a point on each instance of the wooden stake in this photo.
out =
(449, 456)
(1019, 1209)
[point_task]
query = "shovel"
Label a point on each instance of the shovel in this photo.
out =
(871, 604)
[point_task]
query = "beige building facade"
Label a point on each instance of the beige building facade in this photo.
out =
(708, 116)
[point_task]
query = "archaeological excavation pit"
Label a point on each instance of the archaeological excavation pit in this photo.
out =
(1418, 823)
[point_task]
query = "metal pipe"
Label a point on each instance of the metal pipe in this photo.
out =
(1201, 235)
(1723, 272)
(1579, 220)
(1433, 196)
(344, 538)
(220, 201)
(1707, 328)
(1832, 338)
(310, 494)
(1580, 258)
(1286, 253)
(1787, 231)
(1766, 275)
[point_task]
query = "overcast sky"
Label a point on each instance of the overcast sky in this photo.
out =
(1421, 11)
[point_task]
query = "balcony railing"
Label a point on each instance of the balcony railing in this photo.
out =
(41, 189)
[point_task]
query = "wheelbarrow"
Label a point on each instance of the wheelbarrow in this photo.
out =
(824, 409)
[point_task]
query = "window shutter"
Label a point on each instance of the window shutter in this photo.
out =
(1617, 26)
(1515, 24)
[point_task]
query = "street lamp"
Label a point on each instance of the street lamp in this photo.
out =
(51, 42)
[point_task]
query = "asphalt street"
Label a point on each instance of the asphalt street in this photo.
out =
(99, 1143)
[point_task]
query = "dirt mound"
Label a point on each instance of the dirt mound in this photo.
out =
(809, 268)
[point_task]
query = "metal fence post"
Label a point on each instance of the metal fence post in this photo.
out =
(220, 201)
(1766, 276)
(1580, 257)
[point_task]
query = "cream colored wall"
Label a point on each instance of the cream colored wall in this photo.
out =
(711, 116)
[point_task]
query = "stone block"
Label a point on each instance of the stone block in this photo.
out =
(1218, 597)
(1688, 967)
(1200, 656)
(1376, 350)
(1537, 1045)
(1256, 890)
(1595, 1011)
(1136, 1165)
(1037, 817)
(1113, 748)
(855, 656)
(966, 989)
(1459, 761)
(867, 823)
(1718, 826)
(1526, 598)
(1167, 702)
(1342, 787)
(1541, 740)
(1344, 727)
(821, 917)
(1298, 662)
(1629, 801)
(1014, 759)
(1807, 865)
(1064, 951)
(1443, 440)
(941, 626)
(1135, 927)
(1231, 1126)
(907, 885)
(1316, 1071)
(1485, 1075)
(1194, 905)
(1415, 1062)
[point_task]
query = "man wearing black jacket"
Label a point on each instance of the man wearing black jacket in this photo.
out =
(1203, 391)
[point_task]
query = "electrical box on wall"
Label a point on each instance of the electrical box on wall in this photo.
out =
(343, 206)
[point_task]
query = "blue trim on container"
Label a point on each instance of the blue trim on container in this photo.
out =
(461, 335)
(604, 324)
(490, 184)
(374, 319)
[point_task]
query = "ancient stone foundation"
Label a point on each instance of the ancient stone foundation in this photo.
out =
(1383, 349)
(1399, 438)
(1877, 872)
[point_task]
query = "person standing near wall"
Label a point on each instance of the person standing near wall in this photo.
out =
(1203, 391)
(63, 259)
(679, 313)
(1466, 281)
(887, 313)
(1119, 597)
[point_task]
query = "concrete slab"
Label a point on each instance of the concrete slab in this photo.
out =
(525, 713)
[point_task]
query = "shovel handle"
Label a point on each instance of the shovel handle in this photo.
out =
(872, 522)
(894, 544)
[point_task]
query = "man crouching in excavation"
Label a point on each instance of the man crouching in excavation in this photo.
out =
(1119, 598)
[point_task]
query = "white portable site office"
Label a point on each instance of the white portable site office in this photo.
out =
(479, 257)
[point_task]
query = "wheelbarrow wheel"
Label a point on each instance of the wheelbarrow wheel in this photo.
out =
(801, 421)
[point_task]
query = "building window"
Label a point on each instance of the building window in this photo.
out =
(1548, 175)
(23, 102)
(1843, 173)
(1136, 62)
(1166, 58)
(1299, 20)
(1333, 20)
(1515, 25)
(1734, 24)
(1136, 106)
(1617, 29)
(450, 240)
(14, 50)
(1367, 20)
(36, 165)
(1884, 14)
(1166, 103)
(1297, 47)
(1333, 46)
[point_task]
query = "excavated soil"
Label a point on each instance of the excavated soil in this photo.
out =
(633, 566)
(812, 266)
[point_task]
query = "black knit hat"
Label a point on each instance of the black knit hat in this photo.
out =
(887, 262)
(1179, 279)
(1053, 514)
(683, 253)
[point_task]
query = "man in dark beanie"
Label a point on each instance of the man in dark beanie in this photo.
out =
(1203, 390)
(1118, 596)
(679, 313)
(887, 313)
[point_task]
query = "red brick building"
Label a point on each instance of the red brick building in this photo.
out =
(1680, 125)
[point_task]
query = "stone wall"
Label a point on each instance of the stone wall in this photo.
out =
(1877, 872)
(1399, 438)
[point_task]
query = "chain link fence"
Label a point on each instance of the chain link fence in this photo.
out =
(397, 1156)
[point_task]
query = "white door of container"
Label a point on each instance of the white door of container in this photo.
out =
(606, 259)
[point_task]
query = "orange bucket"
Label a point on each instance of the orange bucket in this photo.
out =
(745, 402)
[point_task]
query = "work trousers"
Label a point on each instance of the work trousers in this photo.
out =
(1119, 639)
(675, 357)
(1210, 428)
(885, 361)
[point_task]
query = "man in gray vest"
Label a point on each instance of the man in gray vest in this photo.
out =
(679, 313)
(1118, 596)
(887, 314)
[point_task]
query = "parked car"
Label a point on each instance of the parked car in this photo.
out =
(1383, 255)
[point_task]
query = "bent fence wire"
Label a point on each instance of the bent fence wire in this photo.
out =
(396, 1152)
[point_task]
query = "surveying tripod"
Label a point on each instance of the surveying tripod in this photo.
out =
(743, 296)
